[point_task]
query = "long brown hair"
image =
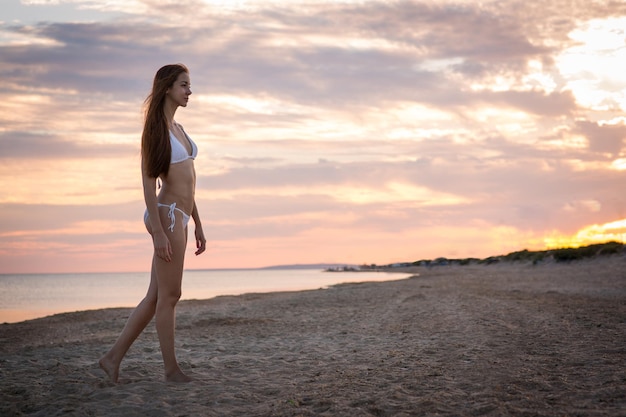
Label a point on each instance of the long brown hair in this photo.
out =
(156, 149)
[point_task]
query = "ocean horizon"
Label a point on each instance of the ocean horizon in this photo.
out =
(32, 296)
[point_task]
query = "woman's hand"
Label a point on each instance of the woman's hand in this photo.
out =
(200, 240)
(162, 246)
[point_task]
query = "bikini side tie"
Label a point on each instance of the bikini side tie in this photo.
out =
(172, 216)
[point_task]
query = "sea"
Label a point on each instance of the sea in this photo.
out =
(31, 296)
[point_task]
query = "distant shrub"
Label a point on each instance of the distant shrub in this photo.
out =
(491, 260)
(572, 254)
(566, 254)
(523, 255)
(468, 261)
(611, 248)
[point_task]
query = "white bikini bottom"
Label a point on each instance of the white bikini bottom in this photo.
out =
(171, 215)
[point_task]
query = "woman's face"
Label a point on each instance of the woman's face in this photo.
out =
(180, 91)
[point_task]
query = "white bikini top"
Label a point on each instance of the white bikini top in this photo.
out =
(179, 153)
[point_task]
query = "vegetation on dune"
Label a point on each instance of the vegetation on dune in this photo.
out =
(556, 255)
(534, 257)
(566, 254)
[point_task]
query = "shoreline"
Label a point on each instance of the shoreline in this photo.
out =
(469, 340)
(99, 291)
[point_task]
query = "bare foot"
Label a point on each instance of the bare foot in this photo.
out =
(110, 368)
(178, 376)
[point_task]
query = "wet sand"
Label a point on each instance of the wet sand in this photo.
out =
(478, 340)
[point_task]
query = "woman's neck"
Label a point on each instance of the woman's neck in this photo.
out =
(168, 111)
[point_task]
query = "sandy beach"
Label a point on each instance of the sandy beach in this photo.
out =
(477, 340)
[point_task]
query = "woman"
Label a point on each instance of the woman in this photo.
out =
(167, 157)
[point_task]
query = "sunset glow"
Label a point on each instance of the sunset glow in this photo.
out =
(597, 233)
(372, 131)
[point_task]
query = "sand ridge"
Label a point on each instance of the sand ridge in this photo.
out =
(492, 340)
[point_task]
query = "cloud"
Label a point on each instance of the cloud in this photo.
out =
(27, 145)
(610, 139)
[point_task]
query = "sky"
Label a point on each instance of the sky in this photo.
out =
(328, 131)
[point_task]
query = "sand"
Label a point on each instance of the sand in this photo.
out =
(497, 340)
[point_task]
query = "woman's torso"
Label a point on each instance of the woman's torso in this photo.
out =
(180, 183)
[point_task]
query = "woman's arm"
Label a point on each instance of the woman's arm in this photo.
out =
(200, 239)
(162, 247)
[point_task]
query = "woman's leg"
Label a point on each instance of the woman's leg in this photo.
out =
(169, 280)
(137, 322)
